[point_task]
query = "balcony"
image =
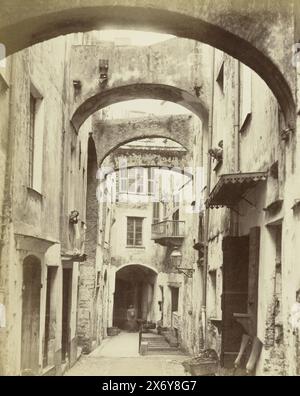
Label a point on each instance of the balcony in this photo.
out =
(168, 232)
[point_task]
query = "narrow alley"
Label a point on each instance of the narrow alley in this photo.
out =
(118, 356)
(149, 187)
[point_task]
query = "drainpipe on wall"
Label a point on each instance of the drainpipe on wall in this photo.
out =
(208, 187)
(235, 216)
(236, 116)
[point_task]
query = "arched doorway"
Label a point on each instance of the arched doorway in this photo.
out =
(31, 315)
(134, 287)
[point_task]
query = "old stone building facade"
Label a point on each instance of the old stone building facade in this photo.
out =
(189, 216)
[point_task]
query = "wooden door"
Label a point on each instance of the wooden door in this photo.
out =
(66, 313)
(254, 242)
(31, 316)
(235, 295)
(50, 314)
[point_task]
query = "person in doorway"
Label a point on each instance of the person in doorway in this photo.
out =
(131, 319)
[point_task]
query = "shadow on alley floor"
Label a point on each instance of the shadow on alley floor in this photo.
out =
(118, 356)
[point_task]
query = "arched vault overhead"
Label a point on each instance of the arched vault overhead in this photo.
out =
(138, 91)
(259, 33)
(109, 135)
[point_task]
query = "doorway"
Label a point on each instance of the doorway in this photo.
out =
(174, 303)
(31, 316)
(50, 320)
(66, 314)
(234, 296)
(134, 288)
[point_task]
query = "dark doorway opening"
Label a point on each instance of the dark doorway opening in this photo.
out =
(240, 292)
(174, 306)
(174, 298)
(66, 313)
(31, 316)
(235, 295)
(134, 288)
(50, 319)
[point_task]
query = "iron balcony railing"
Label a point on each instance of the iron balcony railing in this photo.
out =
(168, 229)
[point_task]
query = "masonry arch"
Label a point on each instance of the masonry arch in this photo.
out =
(256, 33)
(176, 169)
(153, 269)
(120, 143)
(134, 290)
(109, 135)
(173, 157)
(139, 91)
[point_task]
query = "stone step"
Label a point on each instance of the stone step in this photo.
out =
(158, 345)
(152, 339)
(165, 352)
(161, 347)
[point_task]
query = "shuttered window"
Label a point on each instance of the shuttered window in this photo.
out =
(156, 212)
(134, 231)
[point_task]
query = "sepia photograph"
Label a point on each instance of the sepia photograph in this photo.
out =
(149, 190)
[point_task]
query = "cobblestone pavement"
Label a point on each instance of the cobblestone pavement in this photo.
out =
(118, 355)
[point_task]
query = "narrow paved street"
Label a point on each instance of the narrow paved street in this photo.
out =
(149, 181)
(119, 356)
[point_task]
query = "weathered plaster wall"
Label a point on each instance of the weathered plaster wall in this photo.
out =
(4, 122)
(34, 216)
(149, 254)
(139, 72)
(260, 146)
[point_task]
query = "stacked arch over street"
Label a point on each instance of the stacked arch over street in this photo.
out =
(267, 30)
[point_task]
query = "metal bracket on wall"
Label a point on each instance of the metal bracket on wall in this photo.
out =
(188, 272)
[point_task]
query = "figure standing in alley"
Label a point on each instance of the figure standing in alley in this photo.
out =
(131, 319)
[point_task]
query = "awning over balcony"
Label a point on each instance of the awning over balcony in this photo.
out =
(231, 188)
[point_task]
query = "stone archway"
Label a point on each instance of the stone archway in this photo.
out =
(109, 135)
(138, 91)
(256, 33)
(134, 287)
(175, 158)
